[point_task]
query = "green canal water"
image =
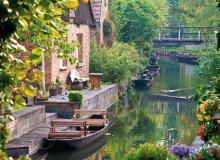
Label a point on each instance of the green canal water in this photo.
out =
(147, 117)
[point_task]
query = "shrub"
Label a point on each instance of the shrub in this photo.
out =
(209, 64)
(149, 152)
(75, 96)
(119, 63)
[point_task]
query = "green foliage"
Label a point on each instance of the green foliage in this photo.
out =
(58, 83)
(23, 157)
(137, 21)
(149, 152)
(75, 96)
(118, 63)
(209, 64)
(3, 155)
(38, 21)
(196, 12)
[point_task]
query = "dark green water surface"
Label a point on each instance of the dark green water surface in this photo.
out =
(148, 118)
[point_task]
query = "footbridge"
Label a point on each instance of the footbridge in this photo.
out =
(184, 35)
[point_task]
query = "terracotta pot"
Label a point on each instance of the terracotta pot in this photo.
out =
(53, 91)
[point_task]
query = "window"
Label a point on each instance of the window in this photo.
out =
(63, 64)
(80, 48)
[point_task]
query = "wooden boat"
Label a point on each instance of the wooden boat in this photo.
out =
(143, 81)
(74, 135)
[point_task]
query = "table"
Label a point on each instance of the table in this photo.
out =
(95, 80)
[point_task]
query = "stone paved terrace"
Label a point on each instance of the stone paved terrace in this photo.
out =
(95, 99)
(29, 139)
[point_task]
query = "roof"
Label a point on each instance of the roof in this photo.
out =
(96, 8)
(83, 14)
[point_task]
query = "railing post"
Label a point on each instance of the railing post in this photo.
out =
(159, 38)
(179, 34)
(199, 35)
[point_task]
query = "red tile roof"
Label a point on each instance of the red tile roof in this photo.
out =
(96, 8)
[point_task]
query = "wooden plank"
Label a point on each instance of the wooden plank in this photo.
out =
(93, 122)
(89, 112)
(65, 134)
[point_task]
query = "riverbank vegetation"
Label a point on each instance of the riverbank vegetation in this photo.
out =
(118, 63)
(209, 64)
(134, 24)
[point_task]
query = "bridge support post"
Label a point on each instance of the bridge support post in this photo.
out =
(179, 34)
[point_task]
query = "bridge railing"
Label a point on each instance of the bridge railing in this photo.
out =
(187, 32)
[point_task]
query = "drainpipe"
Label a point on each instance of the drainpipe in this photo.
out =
(96, 24)
(96, 31)
(43, 70)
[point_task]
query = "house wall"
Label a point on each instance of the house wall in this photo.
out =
(52, 64)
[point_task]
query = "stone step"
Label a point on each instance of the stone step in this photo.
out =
(51, 116)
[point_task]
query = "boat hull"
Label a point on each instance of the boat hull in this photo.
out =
(75, 143)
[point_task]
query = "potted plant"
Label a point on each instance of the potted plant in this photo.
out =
(75, 96)
(43, 95)
(59, 84)
(53, 90)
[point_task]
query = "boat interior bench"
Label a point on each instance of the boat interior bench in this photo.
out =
(91, 121)
(67, 134)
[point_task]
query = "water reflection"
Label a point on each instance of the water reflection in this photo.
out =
(82, 153)
(165, 121)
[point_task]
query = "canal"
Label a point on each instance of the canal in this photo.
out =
(149, 115)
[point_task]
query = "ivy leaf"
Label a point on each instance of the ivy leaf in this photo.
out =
(23, 23)
(38, 74)
(37, 51)
(29, 91)
(21, 75)
(36, 55)
(19, 102)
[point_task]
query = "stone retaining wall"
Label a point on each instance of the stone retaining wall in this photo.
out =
(102, 100)
(26, 120)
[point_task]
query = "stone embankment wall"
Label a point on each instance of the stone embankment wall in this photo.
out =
(101, 99)
(25, 120)
(165, 53)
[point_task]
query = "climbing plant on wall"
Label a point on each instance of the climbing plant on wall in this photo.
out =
(40, 22)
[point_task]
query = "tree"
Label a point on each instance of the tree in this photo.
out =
(137, 21)
(119, 63)
(209, 64)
